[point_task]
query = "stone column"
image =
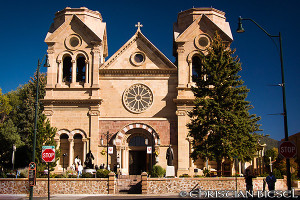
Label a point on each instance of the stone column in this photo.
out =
(84, 150)
(94, 113)
(192, 165)
(183, 68)
(95, 67)
(144, 183)
(60, 73)
(183, 144)
(86, 84)
(111, 183)
(71, 151)
(57, 141)
(191, 71)
(73, 73)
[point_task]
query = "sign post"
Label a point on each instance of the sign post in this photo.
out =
(48, 155)
(32, 174)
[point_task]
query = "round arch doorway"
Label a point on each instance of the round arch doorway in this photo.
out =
(138, 157)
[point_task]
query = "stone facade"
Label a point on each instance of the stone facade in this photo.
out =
(138, 95)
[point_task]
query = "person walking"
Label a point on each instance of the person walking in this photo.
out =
(271, 181)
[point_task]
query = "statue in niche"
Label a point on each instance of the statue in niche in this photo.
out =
(170, 156)
(89, 160)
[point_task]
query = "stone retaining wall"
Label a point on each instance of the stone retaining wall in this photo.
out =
(57, 186)
(176, 185)
(107, 186)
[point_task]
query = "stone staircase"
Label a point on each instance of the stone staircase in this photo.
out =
(129, 184)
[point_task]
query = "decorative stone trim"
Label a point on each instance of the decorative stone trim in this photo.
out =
(94, 113)
(180, 112)
(120, 135)
(71, 101)
(48, 112)
(136, 72)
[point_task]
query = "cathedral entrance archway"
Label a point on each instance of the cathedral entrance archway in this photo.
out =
(131, 145)
(138, 159)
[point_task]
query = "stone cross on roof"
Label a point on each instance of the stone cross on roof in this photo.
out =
(139, 25)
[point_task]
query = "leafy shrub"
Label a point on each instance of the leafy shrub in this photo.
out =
(23, 173)
(206, 172)
(102, 173)
(88, 175)
(264, 175)
(157, 171)
(277, 173)
(198, 176)
(184, 176)
(58, 176)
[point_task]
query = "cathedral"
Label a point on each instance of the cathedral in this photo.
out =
(126, 110)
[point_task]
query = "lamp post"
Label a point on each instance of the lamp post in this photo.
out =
(107, 135)
(36, 109)
(240, 29)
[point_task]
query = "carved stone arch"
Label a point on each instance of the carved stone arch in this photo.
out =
(78, 131)
(60, 132)
(192, 54)
(121, 135)
(63, 54)
(81, 53)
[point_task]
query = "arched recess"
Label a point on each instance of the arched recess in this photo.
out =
(82, 69)
(194, 61)
(64, 148)
(79, 145)
(121, 138)
(67, 69)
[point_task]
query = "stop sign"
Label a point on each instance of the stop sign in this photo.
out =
(287, 149)
(48, 153)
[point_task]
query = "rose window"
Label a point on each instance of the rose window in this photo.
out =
(137, 98)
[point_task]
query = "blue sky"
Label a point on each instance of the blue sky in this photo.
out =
(24, 26)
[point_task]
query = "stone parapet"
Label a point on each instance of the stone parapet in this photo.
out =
(57, 186)
(176, 185)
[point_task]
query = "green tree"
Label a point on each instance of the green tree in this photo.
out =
(5, 107)
(20, 121)
(221, 124)
(273, 153)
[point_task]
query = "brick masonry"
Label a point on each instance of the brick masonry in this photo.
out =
(165, 129)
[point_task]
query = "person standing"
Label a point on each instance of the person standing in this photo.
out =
(248, 179)
(80, 168)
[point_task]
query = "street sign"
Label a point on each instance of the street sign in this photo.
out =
(48, 153)
(149, 149)
(110, 150)
(287, 149)
(32, 174)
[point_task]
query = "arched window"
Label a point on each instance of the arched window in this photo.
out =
(196, 65)
(67, 69)
(80, 69)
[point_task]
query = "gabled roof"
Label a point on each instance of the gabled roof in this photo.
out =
(180, 36)
(135, 37)
(97, 33)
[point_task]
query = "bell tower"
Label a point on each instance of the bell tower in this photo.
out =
(77, 46)
(192, 35)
